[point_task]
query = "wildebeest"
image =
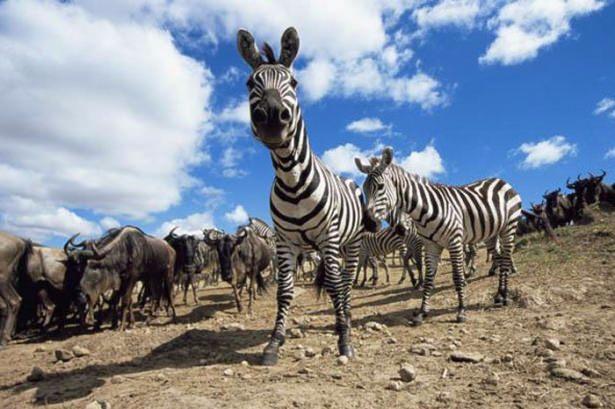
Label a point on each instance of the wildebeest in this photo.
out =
(596, 191)
(187, 265)
(127, 256)
(559, 208)
(242, 256)
(12, 251)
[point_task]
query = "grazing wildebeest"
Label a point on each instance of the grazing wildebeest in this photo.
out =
(242, 256)
(187, 265)
(128, 256)
(559, 208)
(12, 251)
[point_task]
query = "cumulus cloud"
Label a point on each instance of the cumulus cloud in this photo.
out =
(545, 152)
(448, 12)
(238, 215)
(191, 224)
(366, 125)
(115, 130)
(214, 196)
(230, 161)
(341, 158)
(109, 223)
(524, 27)
(238, 111)
(427, 162)
(610, 153)
(605, 105)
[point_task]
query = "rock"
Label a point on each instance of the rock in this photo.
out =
(394, 386)
(423, 349)
(117, 379)
(545, 353)
(41, 349)
(457, 343)
(591, 401)
(79, 351)
(592, 373)
(507, 358)
(98, 404)
(342, 360)
(436, 353)
(295, 333)
(161, 377)
(553, 344)
(391, 340)
(245, 363)
(567, 374)
(305, 371)
(326, 351)
(300, 354)
(228, 372)
(374, 326)
(235, 326)
(407, 373)
(464, 331)
(63, 355)
(443, 397)
(466, 357)
(492, 379)
(36, 375)
(310, 353)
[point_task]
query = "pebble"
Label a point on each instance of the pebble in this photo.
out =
(553, 344)
(591, 401)
(443, 397)
(117, 379)
(63, 355)
(98, 404)
(228, 372)
(466, 357)
(394, 386)
(295, 333)
(592, 373)
(305, 371)
(235, 326)
(464, 331)
(245, 363)
(391, 341)
(492, 379)
(342, 360)
(567, 374)
(545, 353)
(326, 351)
(407, 373)
(36, 375)
(457, 343)
(310, 353)
(507, 358)
(374, 326)
(423, 349)
(436, 353)
(79, 351)
(41, 349)
(300, 354)
(161, 377)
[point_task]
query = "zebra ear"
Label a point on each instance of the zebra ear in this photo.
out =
(362, 168)
(387, 156)
(290, 47)
(247, 49)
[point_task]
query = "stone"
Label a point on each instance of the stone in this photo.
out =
(374, 326)
(423, 349)
(394, 386)
(161, 377)
(305, 371)
(300, 354)
(228, 372)
(545, 353)
(407, 373)
(391, 341)
(36, 375)
(567, 374)
(553, 344)
(464, 331)
(507, 358)
(117, 379)
(591, 401)
(457, 343)
(98, 404)
(342, 360)
(443, 397)
(41, 349)
(235, 326)
(436, 354)
(592, 373)
(492, 379)
(326, 351)
(310, 353)
(245, 363)
(470, 357)
(295, 333)
(80, 351)
(63, 355)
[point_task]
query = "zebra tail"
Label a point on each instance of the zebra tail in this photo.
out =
(319, 280)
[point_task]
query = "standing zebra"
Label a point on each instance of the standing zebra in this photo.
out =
(446, 217)
(311, 207)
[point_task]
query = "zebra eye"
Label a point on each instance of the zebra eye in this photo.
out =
(293, 82)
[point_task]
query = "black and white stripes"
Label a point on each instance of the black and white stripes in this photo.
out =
(446, 217)
(312, 208)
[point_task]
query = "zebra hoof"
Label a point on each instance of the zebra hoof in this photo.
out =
(499, 301)
(461, 318)
(269, 359)
(418, 319)
(346, 350)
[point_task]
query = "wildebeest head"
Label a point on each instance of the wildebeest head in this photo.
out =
(551, 198)
(274, 110)
(225, 246)
(593, 188)
(185, 247)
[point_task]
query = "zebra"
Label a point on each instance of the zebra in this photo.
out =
(312, 208)
(446, 217)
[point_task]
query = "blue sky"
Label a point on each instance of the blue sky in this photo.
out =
(134, 112)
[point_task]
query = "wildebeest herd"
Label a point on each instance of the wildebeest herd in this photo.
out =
(319, 218)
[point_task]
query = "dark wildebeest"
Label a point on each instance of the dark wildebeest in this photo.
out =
(596, 191)
(559, 208)
(127, 256)
(186, 264)
(242, 256)
(12, 252)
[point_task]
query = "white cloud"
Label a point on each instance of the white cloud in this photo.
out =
(448, 12)
(230, 161)
(610, 153)
(96, 114)
(545, 152)
(605, 105)
(317, 78)
(365, 125)
(420, 89)
(427, 162)
(524, 27)
(341, 158)
(238, 111)
(214, 196)
(238, 215)
(191, 224)
(109, 223)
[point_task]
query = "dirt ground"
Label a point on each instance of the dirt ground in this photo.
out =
(562, 315)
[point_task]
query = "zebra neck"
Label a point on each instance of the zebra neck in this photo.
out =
(292, 162)
(408, 192)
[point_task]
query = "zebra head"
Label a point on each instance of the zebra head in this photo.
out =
(274, 110)
(380, 192)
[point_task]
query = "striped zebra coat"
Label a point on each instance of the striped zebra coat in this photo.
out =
(311, 207)
(446, 217)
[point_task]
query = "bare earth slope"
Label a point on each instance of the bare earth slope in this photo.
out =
(553, 346)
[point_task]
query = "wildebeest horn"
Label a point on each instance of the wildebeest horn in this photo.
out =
(579, 177)
(69, 242)
(97, 253)
(172, 232)
(207, 237)
(568, 184)
(603, 174)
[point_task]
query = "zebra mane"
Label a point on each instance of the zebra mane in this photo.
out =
(267, 51)
(403, 172)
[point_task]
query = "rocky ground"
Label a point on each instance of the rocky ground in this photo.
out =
(553, 347)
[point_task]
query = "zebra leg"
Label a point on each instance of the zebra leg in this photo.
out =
(432, 257)
(457, 260)
(386, 269)
(356, 279)
(492, 250)
(507, 243)
(351, 259)
(373, 263)
(418, 261)
(287, 265)
(408, 269)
